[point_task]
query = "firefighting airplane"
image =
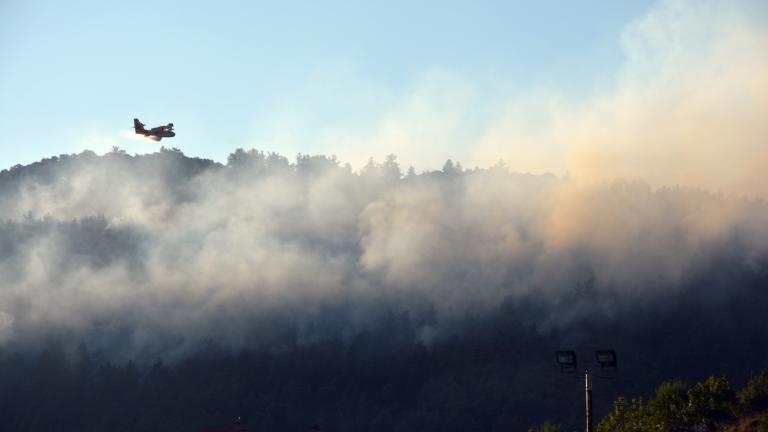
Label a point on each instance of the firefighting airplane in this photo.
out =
(156, 133)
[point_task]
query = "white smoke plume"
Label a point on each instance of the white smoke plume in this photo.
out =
(154, 255)
(686, 106)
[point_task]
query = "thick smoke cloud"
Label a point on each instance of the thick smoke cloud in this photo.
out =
(687, 107)
(152, 256)
(684, 104)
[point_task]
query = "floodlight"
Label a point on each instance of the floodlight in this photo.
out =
(566, 360)
(606, 358)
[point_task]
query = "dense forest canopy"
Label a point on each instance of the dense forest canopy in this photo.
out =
(381, 299)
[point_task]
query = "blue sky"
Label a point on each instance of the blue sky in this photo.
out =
(669, 91)
(237, 74)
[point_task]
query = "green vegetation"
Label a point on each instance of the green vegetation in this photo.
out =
(706, 406)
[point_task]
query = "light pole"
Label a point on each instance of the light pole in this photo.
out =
(607, 361)
(587, 401)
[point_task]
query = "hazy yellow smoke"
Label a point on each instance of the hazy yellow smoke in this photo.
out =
(690, 108)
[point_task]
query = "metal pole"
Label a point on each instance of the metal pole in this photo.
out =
(588, 401)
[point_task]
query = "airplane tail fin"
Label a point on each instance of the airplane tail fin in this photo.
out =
(138, 126)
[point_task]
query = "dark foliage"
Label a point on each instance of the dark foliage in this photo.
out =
(711, 405)
(495, 371)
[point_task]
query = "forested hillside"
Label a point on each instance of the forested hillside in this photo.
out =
(163, 292)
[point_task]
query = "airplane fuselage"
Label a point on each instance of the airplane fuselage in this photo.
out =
(156, 133)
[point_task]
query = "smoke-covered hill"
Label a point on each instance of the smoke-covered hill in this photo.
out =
(294, 291)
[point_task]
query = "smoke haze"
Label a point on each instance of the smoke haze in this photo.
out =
(185, 291)
(686, 106)
(152, 256)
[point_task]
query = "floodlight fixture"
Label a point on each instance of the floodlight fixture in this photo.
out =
(566, 360)
(606, 359)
